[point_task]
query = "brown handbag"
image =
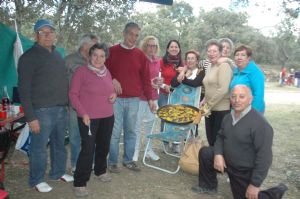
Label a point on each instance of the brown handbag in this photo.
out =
(189, 158)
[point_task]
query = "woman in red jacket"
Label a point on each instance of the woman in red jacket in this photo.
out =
(170, 64)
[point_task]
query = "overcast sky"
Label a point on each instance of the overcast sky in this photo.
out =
(264, 14)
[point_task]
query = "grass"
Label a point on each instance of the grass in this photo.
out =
(286, 149)
(274, 86)
(155, 184)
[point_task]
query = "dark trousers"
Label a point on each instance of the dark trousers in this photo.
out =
(239, 179)
(213, 125)
(98, 144)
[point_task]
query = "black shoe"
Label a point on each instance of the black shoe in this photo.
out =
(198, 189)
(132, 166)
(282, 188)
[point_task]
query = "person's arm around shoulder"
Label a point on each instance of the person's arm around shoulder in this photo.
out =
(197, 81)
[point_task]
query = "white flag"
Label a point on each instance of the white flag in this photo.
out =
(18, 49)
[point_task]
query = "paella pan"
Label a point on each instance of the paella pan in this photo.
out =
(178, 113)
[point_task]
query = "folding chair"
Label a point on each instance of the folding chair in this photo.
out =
(183, 94)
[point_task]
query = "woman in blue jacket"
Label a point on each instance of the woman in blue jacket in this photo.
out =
(249, 74)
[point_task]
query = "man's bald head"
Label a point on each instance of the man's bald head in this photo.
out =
(240, 98)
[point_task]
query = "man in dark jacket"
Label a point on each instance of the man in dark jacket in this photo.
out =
(243, 149)
(43, 89)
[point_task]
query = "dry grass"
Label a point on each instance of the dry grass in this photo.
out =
(154, 184)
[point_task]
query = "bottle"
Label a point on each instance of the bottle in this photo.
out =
(5, 99)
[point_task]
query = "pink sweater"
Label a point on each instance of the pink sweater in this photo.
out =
(154, 67)
(89, 93)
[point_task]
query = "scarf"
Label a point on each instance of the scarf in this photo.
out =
(175, 60)
(98, 72)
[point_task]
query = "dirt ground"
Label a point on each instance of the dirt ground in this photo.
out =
(153, 184)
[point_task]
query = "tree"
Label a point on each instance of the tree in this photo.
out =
(72, 18)
(291, 7)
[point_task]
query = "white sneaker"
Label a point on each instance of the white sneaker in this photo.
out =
(43, 187)
(67, 178)
(152, 155)
(135, 156)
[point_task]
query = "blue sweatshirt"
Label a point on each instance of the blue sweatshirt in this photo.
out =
(253, 77)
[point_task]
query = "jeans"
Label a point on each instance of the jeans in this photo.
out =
(125, 111)
(74, 136)
(144, 118)
(98, 144)
(52, 127)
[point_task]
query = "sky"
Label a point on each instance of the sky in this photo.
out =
(263, 14)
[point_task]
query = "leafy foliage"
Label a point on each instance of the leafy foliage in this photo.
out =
(107, 19)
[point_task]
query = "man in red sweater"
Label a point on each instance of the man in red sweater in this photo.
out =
(129, 69)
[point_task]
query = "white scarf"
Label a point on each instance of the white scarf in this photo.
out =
(97, 71)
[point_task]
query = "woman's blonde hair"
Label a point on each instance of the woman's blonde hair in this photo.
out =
(144, 43)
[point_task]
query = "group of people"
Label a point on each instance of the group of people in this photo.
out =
(98, 93)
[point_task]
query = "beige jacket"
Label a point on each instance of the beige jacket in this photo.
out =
(216, 84)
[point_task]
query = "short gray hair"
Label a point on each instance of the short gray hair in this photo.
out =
(87, 39)
(247, 88)
(214, 42)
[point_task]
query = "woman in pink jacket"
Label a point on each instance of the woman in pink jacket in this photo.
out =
(92, 96)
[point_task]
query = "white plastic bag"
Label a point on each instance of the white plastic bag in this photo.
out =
(24, 140)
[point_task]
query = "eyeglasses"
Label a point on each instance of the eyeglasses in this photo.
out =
(151, 46)
(191, 58)
(44, 33)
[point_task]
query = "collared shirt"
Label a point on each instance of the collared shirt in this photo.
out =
(243, 113)
(194, 74)
(126, 47)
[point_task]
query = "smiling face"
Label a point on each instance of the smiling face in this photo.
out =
(241, 59)
(131, 36)
(173, 49)
(97, 58)
(226, 51)
(240, 98)
(191, 61)
(45, 37)
(213, 53)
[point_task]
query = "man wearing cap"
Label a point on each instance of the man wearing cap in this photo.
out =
(43, 89)
(73, 61)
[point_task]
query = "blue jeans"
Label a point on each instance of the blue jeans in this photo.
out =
(74, 136)
(52, 127)
(125, 111)
(144, 118)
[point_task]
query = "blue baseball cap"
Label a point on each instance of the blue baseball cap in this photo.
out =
(42, 23)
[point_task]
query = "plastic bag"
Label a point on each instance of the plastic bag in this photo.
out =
(189, 158)
(24, 139)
